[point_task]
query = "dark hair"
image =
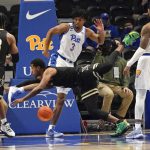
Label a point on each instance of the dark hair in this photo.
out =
(3, 20)
(108, 47)
(79, 13)
(38, 62)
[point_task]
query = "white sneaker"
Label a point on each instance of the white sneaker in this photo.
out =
(53, 134)
(135, 134)
(12, 91)
(6, 129)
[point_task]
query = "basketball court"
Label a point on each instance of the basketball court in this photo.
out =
(23, 117)
(97, 141)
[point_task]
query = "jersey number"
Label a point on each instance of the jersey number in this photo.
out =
(73, 45)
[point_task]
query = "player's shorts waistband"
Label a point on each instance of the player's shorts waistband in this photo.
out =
(146, 54)
(66, 59)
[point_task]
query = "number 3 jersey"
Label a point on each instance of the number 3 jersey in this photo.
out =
(71, 43)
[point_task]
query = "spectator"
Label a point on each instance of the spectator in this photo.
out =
(111, 30)
(113, 82)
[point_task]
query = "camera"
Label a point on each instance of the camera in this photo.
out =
(108, 47)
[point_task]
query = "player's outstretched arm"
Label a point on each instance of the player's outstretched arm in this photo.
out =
(98, 37)
(42, 85)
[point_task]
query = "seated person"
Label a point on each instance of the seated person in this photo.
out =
(113, 82)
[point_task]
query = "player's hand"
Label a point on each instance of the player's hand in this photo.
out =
(126, 71)
(46, 53)
(117, 42)
(99, 25)
(120, 47)
(20, 100)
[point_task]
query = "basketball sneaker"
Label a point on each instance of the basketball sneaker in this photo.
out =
(6, 129)
(121, 128)
(13, 91)
(135, 134)
(53, 134)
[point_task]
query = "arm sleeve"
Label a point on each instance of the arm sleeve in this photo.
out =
(139, 52)
(15, 57)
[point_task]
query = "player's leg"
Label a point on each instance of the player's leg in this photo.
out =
(3, 108)
(127, 98)
(139, 110)
(91, 105)
(5, 126)
(107, 94)
(141, 85)
(61, 96)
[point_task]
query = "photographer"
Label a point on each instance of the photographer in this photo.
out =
(113, 82)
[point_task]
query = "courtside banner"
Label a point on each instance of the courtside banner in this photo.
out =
(24, 120)
(36, 18)
(147, 111)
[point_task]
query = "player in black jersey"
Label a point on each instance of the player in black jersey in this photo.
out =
(72, 77)
(7, 45)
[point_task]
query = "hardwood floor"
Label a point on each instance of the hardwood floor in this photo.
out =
(96, 141)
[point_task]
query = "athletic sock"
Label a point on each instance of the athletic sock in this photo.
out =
(51, 127)
(3, 120)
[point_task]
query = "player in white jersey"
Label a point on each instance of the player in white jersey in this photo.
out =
(72, 48)
(142, 83)
(73, 37)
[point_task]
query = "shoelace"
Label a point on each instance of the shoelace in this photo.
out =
(52, 132)
(7, 125)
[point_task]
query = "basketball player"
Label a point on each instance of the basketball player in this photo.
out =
(7, 45)
(73, 37)
(142, 84)
(72, 77)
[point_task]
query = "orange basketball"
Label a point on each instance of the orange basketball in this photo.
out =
(45, 113)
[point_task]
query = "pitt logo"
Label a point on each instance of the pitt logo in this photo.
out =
(37, 44)
(74, 38)
(138, 72)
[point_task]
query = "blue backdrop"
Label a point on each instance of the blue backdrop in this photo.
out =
(147, 111)
(24, 118)
(36, 17)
